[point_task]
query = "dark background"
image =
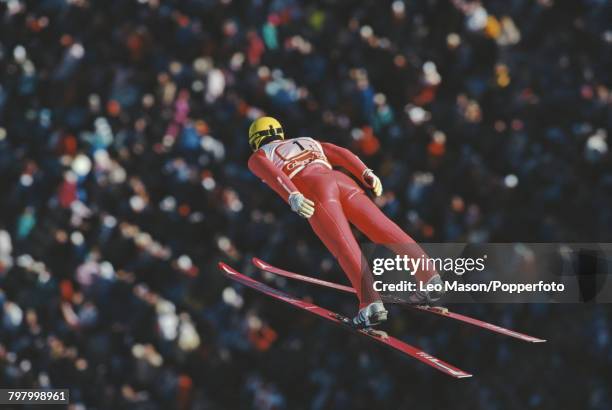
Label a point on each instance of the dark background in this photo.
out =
(123, 181)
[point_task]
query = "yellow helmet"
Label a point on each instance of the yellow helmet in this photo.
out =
(263, 128)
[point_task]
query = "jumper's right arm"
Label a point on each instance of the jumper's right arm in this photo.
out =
(344, 158)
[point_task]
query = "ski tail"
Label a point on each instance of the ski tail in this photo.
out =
(430, 309)
(345, 323)
(480, 323)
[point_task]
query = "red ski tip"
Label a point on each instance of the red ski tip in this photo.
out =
(260, 264)
(291, 275)
(226, 268)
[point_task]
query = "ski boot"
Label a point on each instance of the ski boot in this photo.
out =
(371, 315)
(428, 297)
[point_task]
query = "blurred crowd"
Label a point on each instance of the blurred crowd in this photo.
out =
(123, 180)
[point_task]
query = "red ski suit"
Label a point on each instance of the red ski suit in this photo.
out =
(305, 165)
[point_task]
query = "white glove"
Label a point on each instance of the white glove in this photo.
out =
(302, 205)
(373, 182)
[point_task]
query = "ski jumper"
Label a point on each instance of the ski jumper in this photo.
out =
(306, 165)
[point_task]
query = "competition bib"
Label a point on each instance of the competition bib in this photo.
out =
(293, 155)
